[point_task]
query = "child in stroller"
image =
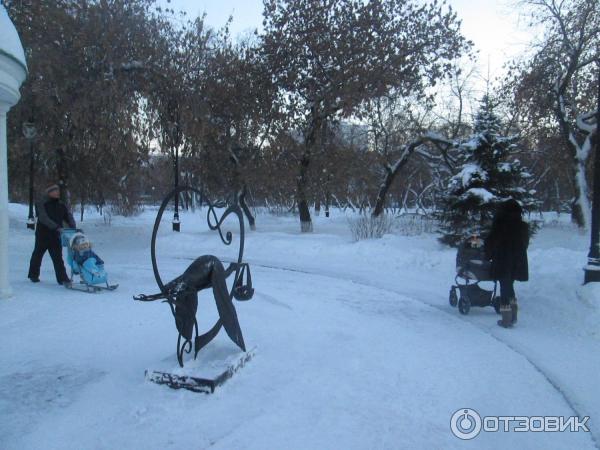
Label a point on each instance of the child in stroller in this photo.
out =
(472, 267)
(82, 251)
(85, 262)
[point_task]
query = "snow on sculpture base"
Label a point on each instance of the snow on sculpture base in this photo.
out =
(213, 367)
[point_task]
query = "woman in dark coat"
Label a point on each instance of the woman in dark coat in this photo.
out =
(506, 246)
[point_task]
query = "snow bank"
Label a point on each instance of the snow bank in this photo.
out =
(590, 294)
(357, 345)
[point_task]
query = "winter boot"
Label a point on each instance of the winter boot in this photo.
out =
(515, 309)
(507, 315)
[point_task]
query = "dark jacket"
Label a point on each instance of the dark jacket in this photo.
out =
(506, 246)
(52, 214)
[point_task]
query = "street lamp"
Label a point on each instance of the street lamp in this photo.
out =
(592, 270)
(30, 132)
(176, 223)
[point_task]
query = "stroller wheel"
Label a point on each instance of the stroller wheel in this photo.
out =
(453, 298)
(464, 305)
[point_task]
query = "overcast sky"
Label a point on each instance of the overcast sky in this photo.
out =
(492, 25)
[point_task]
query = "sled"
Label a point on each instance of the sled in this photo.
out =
(92, 277)
(91, 288)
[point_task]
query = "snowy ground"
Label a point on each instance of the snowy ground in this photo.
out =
(357, 346)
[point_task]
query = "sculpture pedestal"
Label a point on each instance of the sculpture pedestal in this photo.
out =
(213, 367)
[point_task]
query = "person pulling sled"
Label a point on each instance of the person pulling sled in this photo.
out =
(52, 216)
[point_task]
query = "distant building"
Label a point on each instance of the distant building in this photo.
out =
(354, 135)
(350, 134)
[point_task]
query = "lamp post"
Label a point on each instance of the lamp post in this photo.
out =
(592, 270)
(30, 132)
(176, 223)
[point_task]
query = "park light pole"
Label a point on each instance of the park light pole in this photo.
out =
(592, 270)
(176, 223)
(30, 133)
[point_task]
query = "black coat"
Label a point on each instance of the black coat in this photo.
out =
(506, 246)
(52, 214)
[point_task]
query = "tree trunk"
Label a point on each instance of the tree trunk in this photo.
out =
(390, 174)
(327, 202)
(580, 208)
(557, 195)
(305, 220)
(246, 209)
(306, 225)
(239, 185)
(101, 203)
(317, 207)
(200, 200)
(580, 211)
(383, 190)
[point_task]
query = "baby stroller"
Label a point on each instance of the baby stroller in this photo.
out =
(84, 262)
(472, 267)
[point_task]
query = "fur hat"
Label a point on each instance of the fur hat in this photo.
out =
(80, 243)
(52, 188)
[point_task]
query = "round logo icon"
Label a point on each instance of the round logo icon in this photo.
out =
(465, 424)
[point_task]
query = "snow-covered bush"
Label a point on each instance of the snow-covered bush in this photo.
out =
(279, 210)
(124, 207)
(413, 224)
(107, 217)
(367, 227)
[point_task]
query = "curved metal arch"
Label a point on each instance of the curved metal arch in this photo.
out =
(214, 223)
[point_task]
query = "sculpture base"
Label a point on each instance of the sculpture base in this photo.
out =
(210, 370)
(591, 274)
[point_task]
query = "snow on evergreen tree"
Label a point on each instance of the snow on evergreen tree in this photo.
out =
(489, 175)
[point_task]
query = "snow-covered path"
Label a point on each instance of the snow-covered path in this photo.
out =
(351, 358)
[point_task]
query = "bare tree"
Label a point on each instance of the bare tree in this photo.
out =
(329, 56)
(558, 79)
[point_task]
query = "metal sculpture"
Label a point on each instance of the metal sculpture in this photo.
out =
(181, 293)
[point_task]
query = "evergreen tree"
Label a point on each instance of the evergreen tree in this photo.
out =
(489, 175)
